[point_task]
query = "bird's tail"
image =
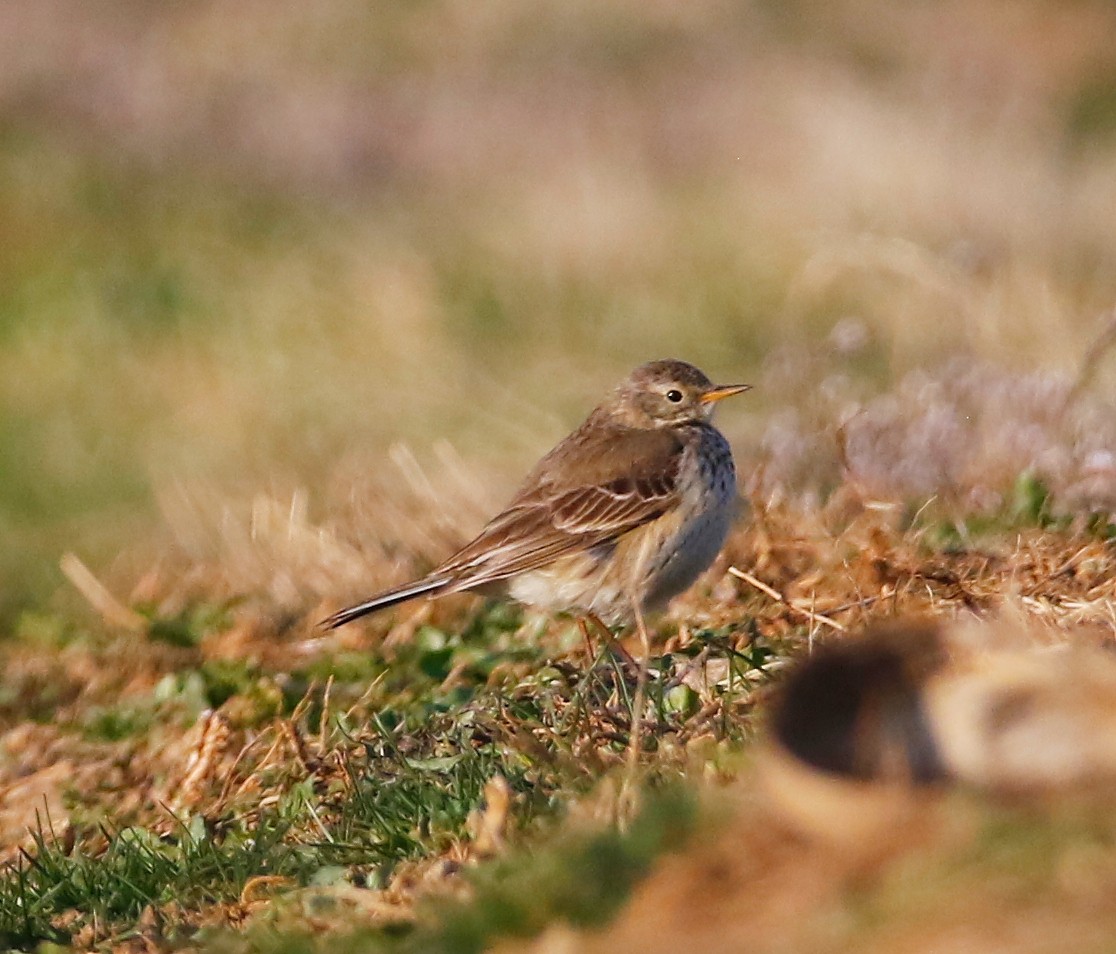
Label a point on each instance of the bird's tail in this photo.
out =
(384, 600)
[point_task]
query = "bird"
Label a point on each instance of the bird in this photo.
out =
(621, 516)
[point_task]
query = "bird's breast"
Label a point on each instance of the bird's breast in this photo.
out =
(695, 533)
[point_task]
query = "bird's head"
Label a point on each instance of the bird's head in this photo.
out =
(668, 393)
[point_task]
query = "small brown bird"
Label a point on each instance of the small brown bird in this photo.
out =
(621, 516)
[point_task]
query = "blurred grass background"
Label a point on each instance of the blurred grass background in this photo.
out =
(252, 244)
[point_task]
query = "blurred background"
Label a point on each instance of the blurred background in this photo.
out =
(254, 246)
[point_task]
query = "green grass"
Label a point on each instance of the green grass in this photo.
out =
(395, 807)
(407, 755)
(581, 879)
(138, 868)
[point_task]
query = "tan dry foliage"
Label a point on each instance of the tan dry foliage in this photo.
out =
(813, 861)
(853, 567)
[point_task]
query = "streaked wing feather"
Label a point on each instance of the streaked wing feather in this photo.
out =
(547, 521)
(590, 510)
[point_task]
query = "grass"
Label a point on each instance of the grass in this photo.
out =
(376, 792)
(582, 880)
(350, 768)
(289, 302)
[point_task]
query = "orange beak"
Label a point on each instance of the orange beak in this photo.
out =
(723, 391)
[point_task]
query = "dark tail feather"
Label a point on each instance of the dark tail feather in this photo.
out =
(384, 600)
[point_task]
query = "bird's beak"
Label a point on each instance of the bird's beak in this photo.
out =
(723, 391)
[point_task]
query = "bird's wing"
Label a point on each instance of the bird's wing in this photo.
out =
(594, 494)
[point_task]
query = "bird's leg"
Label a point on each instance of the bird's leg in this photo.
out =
(607, 638)
(602, 627)
(627, 800)
(591, 654)
(611, 643)
(635, 736)
(635, 733)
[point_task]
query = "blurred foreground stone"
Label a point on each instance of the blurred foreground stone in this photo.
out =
(865, 727)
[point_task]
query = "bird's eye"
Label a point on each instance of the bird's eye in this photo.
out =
(674, 395)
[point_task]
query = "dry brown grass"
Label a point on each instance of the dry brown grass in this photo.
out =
(822, 575)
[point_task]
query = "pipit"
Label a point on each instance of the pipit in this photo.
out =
(620, 517)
